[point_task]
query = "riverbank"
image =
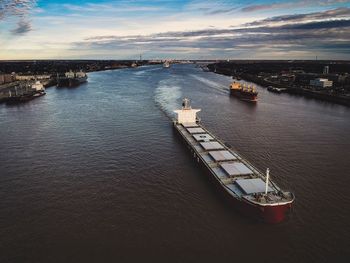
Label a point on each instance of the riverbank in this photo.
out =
(290, 87)
(343, 100)
(21, 87)
(52, 67)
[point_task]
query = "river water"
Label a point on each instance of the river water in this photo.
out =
(97, 174)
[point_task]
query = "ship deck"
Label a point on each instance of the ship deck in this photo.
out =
(236, 175)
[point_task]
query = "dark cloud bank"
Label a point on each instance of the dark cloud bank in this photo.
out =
(313, 32)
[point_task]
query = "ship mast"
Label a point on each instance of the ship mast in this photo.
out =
(186, 104)
(267, 180)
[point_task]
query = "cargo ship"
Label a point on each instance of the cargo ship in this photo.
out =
(244, 92)
(71, 79)
(19, 98)
(249, 190)
(34, 91)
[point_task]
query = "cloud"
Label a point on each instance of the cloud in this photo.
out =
(212, 7)
(222, 11)
(15, 7)
(19, 9)
(328, 36)
(341, 12)
(23, 26)
(253, 8)
(112, 7)
(120, 28)
(300, 3)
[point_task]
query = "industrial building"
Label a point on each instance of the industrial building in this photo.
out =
(321, 83)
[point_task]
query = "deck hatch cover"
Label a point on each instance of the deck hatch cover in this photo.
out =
(202, 137)
(195, 130)
(213, 145)
(220, 156)
(189, 125)
(252, 186)
(235, 169)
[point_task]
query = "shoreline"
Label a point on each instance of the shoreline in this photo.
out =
(22, 85)
(342, 100)
(298, 91)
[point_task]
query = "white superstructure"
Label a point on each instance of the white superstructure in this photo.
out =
(80, 74)
(186, 115)
(70, 74)
(38, 86)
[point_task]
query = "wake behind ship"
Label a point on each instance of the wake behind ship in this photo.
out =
(246, 188)
(71, 79)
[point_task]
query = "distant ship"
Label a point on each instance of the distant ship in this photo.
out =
(244, 92)
(71, 79)
(166, 64)
(248, 189)
(275, 90)
(18, 98)
(35, 91)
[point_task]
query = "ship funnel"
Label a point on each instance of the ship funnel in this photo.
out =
(186, 104)
(267, 180)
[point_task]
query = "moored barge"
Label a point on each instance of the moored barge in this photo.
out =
(250, 191)
(71, 79)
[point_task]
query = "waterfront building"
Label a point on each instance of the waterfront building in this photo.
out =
(32, 77)
(321, 83)
(6, 78)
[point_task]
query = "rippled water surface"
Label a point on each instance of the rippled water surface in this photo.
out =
(96, 173)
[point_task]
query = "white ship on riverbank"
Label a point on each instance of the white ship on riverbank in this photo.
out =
(166, 64)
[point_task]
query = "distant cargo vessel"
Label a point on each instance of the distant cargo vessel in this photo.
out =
(244, 92)
(246, 188)
(36, 90)
(71, 79)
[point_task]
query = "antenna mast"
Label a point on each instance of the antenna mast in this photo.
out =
(267, 180)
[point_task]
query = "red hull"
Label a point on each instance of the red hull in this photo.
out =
(268, 214)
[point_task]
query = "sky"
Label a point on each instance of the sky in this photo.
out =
(166, 29)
